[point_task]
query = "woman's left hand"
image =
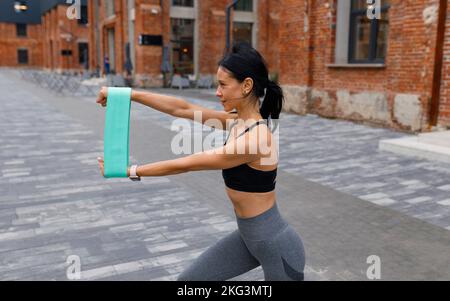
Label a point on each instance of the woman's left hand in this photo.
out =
(101, 164)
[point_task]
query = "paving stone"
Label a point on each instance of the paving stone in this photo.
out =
(54, 203)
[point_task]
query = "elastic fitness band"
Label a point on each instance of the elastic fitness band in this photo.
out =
(117, 133)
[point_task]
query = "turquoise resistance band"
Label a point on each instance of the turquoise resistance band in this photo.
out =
(117, 132)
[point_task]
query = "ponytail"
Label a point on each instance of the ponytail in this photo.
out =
(273, 101)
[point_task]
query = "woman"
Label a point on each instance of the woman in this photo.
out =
(263, 236)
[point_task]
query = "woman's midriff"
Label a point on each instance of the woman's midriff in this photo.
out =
(250, 204)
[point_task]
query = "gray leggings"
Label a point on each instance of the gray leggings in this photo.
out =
(266, 240)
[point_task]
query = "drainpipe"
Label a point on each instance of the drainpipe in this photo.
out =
(97, 37)
(229, 7)
(439, 54)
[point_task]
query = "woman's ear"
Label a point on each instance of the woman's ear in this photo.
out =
(247, 86)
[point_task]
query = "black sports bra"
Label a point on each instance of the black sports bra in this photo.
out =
(247, 179)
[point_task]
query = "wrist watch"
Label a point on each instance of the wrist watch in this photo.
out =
(133, 176)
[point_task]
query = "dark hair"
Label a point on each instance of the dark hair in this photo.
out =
(244, 61)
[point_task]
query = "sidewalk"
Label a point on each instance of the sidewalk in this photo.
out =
(54, 203)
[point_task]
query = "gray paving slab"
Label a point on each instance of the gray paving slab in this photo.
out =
(60, 206)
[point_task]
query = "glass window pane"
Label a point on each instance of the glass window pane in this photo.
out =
(369, 37)
(362, 38)
(182, 39)
(242, 32)
(83, 54)
(382, 36)
(359, 4)
(21, 30)
(109, 8)
(83, 15)
(244, 5)
(22, 56)
(189, 3)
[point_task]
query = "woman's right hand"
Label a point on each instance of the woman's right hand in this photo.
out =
(102, 96)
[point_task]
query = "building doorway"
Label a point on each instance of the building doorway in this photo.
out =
(111, 50)
(182, 40)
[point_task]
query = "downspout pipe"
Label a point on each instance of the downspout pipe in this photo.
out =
(438, 63)
(229, 7)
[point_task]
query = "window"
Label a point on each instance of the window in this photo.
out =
(244, 5)
(188, 3)
(22, 56)
(21, 30)
(66, 52)
(368, 38)
(83, 54)
(242, 32)
(83, 15)
(182, 39)
(109, 8)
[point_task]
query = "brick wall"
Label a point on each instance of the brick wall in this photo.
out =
(147, 58)
(212, 33)
(297, 38)
(61, 33)
(10, 43)
(397, 95)
(148, 23)
(212, 20)
(269, 23)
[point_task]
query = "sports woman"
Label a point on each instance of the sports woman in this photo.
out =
(263, 236)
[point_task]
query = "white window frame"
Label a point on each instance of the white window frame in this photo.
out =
(249, 17)
(341, 49)
(342, 31)
(181, 12)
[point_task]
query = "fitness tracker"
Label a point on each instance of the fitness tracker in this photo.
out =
(133, 176)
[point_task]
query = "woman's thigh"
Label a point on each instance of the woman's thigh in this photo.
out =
(282, 257)
(227, 258)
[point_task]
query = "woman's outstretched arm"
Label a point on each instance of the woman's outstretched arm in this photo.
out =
(162, 103)
(235, 153)
(174, 106)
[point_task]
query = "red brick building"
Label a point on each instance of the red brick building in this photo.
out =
(334, 58)
(342, 64)
(39, 34)
(192, 31)
(20, 35)
(65, 41)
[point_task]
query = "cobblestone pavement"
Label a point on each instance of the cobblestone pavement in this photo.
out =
(54, 203)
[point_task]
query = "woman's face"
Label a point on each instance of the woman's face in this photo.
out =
(229, 90)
